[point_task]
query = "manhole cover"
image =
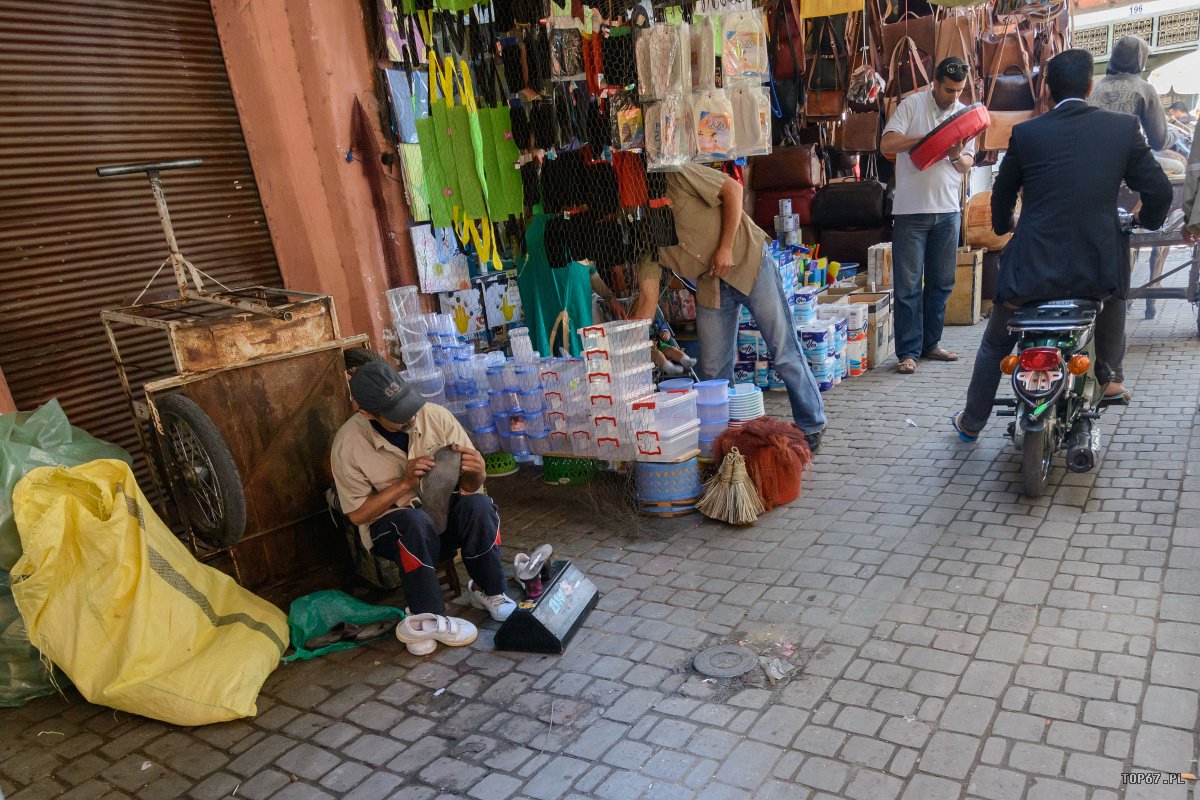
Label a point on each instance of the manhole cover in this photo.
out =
(725, 661)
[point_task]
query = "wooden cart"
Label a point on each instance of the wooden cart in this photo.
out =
(238, 435)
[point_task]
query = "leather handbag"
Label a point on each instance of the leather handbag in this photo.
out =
(957, 35)
(1013, 91)
(790, 168)
(1009, 48)
(787, 46)
(828, 74)
(908, 72)
(850, 204)
(977, 224)
(920, 30)
(860, 132)
(999, 131)
(849, 246)
(766, 206)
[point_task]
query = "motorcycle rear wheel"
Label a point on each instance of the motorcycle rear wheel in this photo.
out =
(1036, 457)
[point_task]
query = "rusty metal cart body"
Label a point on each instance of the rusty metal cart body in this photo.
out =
(238, 435)
(1170, 236)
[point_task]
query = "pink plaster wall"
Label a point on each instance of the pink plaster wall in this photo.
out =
(295, 67)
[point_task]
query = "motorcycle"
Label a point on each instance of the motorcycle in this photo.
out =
(1058, 398)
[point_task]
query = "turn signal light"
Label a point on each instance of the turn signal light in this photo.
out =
(1009, 365)
(1040, 359)
(1079, 365)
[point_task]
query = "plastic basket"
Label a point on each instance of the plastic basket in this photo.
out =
(499, 464)
(567, 471)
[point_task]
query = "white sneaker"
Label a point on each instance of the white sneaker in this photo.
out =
(421, 632)
(500, 606)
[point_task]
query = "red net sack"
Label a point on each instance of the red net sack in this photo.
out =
(776, 457)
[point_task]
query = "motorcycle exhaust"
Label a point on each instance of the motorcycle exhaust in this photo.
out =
(1083, 446)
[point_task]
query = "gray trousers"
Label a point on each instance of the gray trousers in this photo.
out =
(998, 342)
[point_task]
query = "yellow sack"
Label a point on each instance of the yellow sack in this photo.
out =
(113, 598)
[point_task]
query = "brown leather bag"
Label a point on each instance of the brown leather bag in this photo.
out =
(977, 224)
(1015, 90)
(1009, 48)
(860, 132)
(828, 75)
(920, 29)
(999, 130)
(958, 36)
(908, 71)
(798, 167)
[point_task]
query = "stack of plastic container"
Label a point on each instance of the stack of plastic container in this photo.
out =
(564, 385)
(619, 371)
(665, 425)
(712, 407)
(516, 407)
(416, 343)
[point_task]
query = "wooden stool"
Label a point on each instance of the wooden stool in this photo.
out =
(448, 578)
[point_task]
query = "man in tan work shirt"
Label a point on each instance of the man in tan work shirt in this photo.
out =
(723, 254)
(379, 458)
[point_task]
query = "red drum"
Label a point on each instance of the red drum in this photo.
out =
(965, 124)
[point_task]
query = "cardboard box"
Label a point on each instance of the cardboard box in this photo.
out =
(880, 339)
(879, 266)
(835, 295)
(963, 307)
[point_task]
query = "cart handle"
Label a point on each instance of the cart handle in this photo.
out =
(157, 166)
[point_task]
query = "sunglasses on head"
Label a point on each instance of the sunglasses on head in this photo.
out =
(956, 71)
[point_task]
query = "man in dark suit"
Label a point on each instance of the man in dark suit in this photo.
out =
(1067, 165)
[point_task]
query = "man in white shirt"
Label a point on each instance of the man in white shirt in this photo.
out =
(928, 211)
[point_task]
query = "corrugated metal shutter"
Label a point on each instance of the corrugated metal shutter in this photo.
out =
(91, 83)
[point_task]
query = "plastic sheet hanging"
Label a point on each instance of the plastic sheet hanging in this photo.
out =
(752, 119)
(744, 47)
(664, 61)
(713, 125)
(668, 133)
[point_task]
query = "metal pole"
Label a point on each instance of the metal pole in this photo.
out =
(178, 263)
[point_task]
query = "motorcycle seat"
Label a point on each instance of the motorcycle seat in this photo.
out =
(1055, 315)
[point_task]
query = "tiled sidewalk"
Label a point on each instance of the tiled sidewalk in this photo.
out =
(957, 639)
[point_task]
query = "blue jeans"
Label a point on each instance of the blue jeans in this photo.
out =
(923, 248)
(717, 329)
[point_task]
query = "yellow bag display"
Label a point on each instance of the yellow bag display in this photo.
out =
(113, 598)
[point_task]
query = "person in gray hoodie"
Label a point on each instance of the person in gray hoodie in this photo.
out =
(1124, 89)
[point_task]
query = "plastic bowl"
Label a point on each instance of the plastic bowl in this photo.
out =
(676, 385)
(713, 412)
(712, 391)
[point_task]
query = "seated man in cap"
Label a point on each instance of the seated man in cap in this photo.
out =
(379, 457)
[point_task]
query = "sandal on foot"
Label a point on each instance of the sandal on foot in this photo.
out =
(963, 433)
(907, 366)
(941, 354)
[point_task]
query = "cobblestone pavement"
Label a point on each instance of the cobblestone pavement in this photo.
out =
(961, 641)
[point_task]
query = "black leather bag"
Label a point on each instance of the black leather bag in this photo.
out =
(851, 204)
(850, 245)
(1014, 90)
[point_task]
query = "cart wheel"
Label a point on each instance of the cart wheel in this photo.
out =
(355, 357)
(212, 496)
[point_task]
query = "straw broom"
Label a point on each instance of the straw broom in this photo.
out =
(730, 495)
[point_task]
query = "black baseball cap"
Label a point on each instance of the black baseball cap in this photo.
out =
(378, 389)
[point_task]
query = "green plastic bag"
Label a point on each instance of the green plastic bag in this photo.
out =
(319, 613)
(451, 145)
(497, 156)
(42, 438)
